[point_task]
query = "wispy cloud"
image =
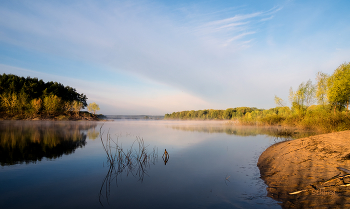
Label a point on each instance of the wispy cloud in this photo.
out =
(220, 55)
(266, 19)
(233, 19)
(239, 37)
(228, 30)
(231, 25)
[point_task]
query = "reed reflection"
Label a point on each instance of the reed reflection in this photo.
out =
(29, 141)
(133, 161)
(165, 157)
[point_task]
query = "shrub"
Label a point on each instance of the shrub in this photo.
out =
(272, 119)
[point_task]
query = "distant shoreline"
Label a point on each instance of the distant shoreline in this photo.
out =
(147, 117)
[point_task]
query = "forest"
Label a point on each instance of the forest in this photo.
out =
(31, 98)
(211, 114)
(322, 106)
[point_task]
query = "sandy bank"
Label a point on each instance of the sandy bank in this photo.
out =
(308, 165)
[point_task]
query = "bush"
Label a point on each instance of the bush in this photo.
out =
(272, 119)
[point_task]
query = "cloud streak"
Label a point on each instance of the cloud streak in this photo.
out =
(220, 61)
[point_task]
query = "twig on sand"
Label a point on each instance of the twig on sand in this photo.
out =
(329, 180)
(297, 192)
(344, 169)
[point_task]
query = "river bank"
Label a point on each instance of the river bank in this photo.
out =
(69, 116)
(308, 172)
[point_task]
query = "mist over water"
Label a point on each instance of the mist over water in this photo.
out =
(210, 164)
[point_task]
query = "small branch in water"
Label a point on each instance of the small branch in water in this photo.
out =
(226, 179)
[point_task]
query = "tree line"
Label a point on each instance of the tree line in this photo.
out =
(323, 105)
(30, 97)
(211, 114)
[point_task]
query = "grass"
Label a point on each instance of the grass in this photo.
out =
(317, 120)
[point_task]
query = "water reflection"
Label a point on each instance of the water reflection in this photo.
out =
(93, 134)
(206, 171)
(134, 161)
(165, 157)
(31, 141)
(279, 133)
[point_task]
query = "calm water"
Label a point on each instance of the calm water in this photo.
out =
(65, 165)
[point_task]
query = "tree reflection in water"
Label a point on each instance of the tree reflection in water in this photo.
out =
(134, 161)
(29, 141)
(93, 134)
(276, 132)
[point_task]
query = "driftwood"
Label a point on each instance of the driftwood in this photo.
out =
(329, 180)
(344, 169)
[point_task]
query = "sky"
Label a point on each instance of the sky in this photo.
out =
(155, 57)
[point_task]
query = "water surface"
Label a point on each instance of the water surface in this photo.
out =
(66, 165)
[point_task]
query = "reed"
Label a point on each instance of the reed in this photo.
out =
(133, 161)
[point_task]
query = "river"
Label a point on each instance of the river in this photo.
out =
(121, 164)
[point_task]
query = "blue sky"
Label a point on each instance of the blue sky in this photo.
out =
(157, 57)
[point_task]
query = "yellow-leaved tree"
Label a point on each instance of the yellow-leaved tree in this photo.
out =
(9, 102)
(93, 107)
(36, 105)
(52, 104)
(77, 106)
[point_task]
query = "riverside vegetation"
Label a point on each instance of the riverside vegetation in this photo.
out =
(30, 98)
(322, 106)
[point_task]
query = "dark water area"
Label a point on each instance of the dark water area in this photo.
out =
(72, 165)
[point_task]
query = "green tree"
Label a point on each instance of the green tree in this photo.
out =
(228, 113)
(23, 103)
(93, 107)
(213, 114)
(339, 86)
(321, 90)
(303, 97)
(35, 88)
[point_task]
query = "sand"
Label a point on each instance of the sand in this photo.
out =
(305, 165)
